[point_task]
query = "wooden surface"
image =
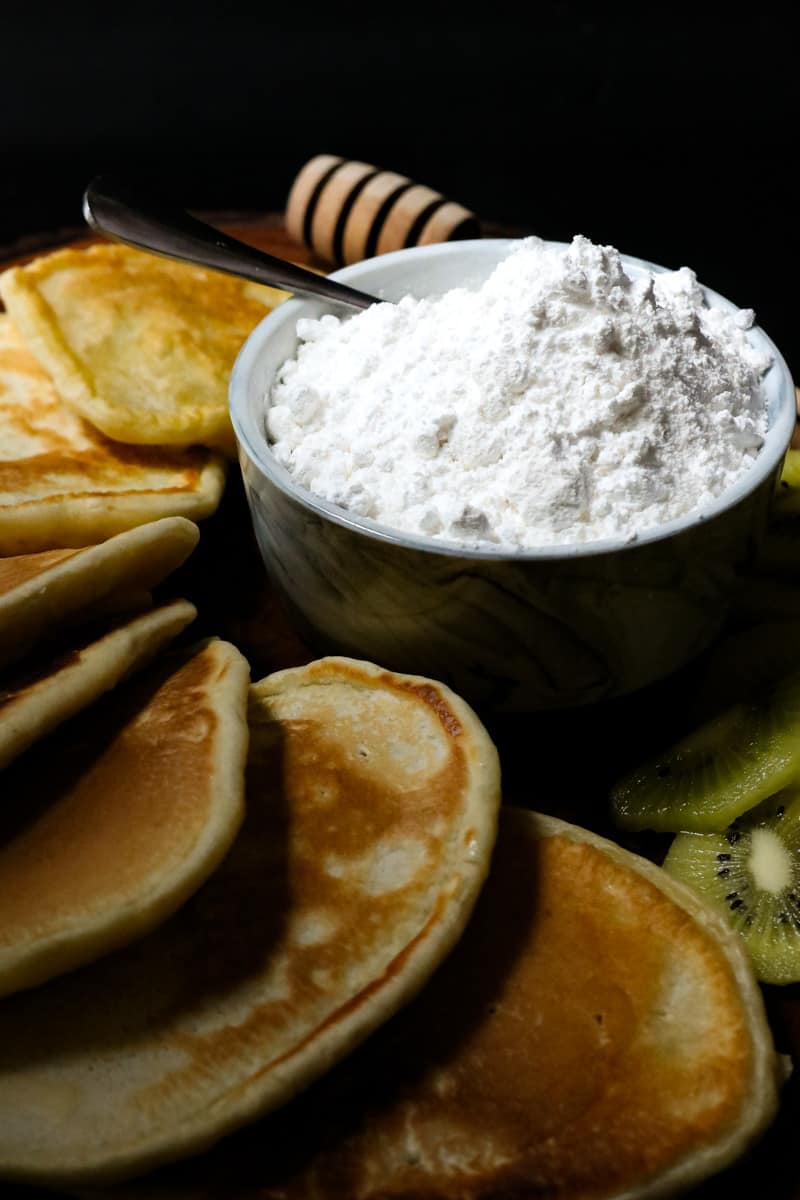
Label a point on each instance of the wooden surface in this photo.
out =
(560, 763)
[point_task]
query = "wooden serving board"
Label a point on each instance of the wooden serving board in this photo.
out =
(559, 763)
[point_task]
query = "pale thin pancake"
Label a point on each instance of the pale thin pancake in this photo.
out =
(110, 825)
(41, 594)
(141, 346)
(40, 695)
(371, 814)
(597, 1033)
(64, 484)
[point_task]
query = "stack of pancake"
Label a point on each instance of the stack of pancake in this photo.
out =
(166, 974)
(192, 933)
(114, 368)
(296, 905)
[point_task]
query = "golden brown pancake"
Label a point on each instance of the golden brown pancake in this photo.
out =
(36, 698)
(63, 484)
(596, 1033)
(140, 346)
(371, 813)
(41, 594)
(108, 826)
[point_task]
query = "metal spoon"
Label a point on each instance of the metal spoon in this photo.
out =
(120, 210)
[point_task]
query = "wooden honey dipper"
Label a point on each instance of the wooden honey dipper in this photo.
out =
(346, 211)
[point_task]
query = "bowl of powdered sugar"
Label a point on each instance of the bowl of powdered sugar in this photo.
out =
(534, 470)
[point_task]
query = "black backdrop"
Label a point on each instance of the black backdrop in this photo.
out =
(666, 130)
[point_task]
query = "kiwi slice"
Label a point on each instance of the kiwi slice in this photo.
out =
(787, 494)
(765, 598)
(779, 552)
(752, 873)
(710, 777)
(743, 664)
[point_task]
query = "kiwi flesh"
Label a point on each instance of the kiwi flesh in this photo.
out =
(709, 778)
(787, 493)
(752, 873)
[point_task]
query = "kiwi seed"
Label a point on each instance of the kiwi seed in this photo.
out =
(752, 873)
(729, 765)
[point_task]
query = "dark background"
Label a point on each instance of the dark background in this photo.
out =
(668, 131)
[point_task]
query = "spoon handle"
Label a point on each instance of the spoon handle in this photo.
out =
(122, 212)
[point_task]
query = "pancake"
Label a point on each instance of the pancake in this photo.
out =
(37, 698)
(141, 346)
(63, 484)
(42, 594)
(109, 826)
(597, 1032)
(371, 814)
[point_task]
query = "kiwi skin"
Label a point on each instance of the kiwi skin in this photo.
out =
(751, 872)
(712, 776)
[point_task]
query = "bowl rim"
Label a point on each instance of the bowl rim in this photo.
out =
(253, 443)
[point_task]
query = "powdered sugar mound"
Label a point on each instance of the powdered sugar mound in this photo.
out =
(564, 401)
